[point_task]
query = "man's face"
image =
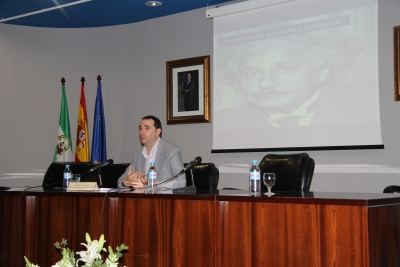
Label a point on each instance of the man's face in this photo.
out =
(279, 78)
(189, 76)
(148, 133)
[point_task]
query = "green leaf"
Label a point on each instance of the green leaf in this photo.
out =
(71, 255)
(64, 242)
(88, 240)
(27, 261)
(101, 241)
(123, 247)
(57, 245)
(97, 262)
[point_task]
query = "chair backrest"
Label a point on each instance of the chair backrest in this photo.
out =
(294, 172)
(205, 176)
(109, 174)
(392, 189)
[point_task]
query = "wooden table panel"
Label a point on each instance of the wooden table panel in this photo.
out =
(276, 234)
(138, 223)
(190, 233)
(51, 218)
(384, 233)
(228, 230)
(11, 239)
(344, 233)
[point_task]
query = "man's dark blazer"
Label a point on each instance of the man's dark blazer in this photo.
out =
(188, 99)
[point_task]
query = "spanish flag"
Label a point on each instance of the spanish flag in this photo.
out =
(82, 133)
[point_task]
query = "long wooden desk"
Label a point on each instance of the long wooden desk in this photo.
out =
(225, 228)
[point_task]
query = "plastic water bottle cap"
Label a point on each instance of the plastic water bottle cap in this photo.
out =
(67, 165)
(152, 163)
(254, 161)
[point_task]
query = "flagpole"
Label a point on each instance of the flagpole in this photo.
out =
(99, 147)
(82, 151)
(63, 151)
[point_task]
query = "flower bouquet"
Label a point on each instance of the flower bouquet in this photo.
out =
(91, 257)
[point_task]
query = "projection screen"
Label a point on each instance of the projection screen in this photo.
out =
(301, 74)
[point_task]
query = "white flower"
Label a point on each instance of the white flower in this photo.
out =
(93, 250)
(90, 255)
(63, 263)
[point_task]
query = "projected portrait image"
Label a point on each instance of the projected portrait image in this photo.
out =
(297, 80)
(279, 77)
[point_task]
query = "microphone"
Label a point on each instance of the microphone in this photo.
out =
(188, 189)
(108, 162)
(192, 188)
(193, 163)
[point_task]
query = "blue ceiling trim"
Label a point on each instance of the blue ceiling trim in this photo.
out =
(96, 13)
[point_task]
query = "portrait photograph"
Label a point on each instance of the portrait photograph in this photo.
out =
(188, 90)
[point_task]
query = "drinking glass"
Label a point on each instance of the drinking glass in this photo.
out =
(76, 178)
(269, 181)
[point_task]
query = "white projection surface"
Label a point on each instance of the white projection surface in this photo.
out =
(302, 74)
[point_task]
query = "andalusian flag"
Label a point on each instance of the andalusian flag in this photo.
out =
(99, 148)
(63, 151)
(82, 133)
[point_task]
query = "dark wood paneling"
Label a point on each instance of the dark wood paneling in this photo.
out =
(138, 222)
(11, 239)
(384, 233)
(273, 234)
(189, 233)
(164, 232)
(51, 218)
(205, 230)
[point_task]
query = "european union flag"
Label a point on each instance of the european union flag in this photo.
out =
(99, 148)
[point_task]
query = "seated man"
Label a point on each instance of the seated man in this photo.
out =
(167, 157)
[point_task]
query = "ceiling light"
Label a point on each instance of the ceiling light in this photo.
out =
(153, 3)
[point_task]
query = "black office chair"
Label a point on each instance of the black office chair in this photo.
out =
(109, 174)
(205, 176)
(392, 189)
(294, 172)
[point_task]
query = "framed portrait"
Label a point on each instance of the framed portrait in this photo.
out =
(188, 90)
(396, 46)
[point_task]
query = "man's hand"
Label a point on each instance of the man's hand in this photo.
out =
(135, 180)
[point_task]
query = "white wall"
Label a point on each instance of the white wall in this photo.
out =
(132, 62)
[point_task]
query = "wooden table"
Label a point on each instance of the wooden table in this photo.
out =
(222, 228)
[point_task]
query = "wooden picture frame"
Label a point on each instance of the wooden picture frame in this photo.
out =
(396, 46)
(188, 90)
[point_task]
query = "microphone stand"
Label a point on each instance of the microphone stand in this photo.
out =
(187, 189)
(99, 174)
(191, 174)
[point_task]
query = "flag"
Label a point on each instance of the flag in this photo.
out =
(63, 151)
(99, 150)
(82, 133)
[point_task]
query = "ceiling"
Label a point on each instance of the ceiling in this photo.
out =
(91, 13)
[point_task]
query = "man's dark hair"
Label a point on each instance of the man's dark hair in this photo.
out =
(157, 122)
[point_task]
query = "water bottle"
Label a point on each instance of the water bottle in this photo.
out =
(152, 178)
(67, 176)
(255, 179)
